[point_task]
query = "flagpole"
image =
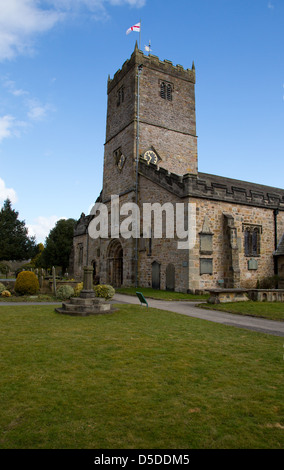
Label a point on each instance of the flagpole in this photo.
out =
(140, 37)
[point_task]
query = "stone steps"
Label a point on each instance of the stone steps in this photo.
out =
(85, 307)
(87, 303)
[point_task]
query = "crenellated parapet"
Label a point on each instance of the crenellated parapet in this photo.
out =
(212, 187)
(151, 61)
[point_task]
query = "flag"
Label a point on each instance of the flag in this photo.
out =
(136, 28)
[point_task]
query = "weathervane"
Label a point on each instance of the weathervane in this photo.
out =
(148, 48)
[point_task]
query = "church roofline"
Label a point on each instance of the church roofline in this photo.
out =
(245, 184)
(213, 187)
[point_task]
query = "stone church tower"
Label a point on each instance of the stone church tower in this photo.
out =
(167, 125)
(150, 156)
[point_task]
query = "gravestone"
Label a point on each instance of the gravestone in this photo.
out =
(170, 277)
(155, 275)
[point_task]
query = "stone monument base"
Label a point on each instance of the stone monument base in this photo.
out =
(87, 303)
(84, 306)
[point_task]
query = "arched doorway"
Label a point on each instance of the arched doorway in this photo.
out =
(115, 263)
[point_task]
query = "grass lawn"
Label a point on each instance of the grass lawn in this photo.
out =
(136, 379)
(269, 310)
(160, 294)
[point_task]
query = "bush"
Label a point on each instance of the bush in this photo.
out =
(5, 293)
(27, 283)
(24, 267)
(104, 290)
(64, 292)
(78, 289)
(2, 287)
(268, 282)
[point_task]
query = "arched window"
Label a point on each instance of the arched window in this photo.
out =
(169, 92)
(166, 91)
(247, 242)
(252, 240)
(163, 90)
(255, 242)
(120, 95)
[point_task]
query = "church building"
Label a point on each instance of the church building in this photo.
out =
(150, 158)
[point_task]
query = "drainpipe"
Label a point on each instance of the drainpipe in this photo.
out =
(139, 70)
(275, 213)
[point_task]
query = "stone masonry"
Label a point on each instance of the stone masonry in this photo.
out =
(239, 225)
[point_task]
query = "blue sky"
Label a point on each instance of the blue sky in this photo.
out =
(55, 57)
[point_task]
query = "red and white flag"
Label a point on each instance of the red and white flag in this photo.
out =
(136, 27)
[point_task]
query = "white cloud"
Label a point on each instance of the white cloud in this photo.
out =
(7, 192)
(6, 126)
(30, 108)
(133, 3)
(10, 126)
(270, 5)
(11, 86)
(37, 111)
(22, 20)
(93, 5)
(42, 227)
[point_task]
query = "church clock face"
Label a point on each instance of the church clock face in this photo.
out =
(151, 157)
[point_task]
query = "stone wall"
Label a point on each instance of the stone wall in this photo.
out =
(168, 125)
(241, 215)
(220, 245)
(160, 250)
(211, 220)
(96, 251)
(120, 134)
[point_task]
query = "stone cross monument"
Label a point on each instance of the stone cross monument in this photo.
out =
(87, 303)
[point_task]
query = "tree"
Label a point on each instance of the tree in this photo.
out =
(58, 244)
(38, 258)
(15, 244)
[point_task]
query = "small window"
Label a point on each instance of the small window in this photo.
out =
(166, 91)
(252, 240)
(169, 92)
(163, 90)
(120, 95)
